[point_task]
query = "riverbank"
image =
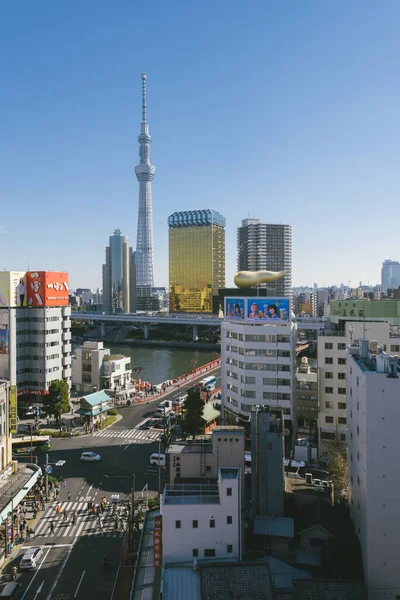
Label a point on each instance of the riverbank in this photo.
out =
(166, 344)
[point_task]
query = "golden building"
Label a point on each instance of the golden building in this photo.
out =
(196, 259)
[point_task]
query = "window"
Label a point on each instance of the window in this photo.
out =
(195, 523)
(229, 491)
(328, 375)
(208, 468)
(195, 552)
(342, 391)
(328, 390)
(341, 361)
(341, 375)
(209, 553)
(329, 405)
(269, 445)
(341, 346)
(328, 346)
(394, 348)
(328, 360)
(177, 524)
(212, 523)
(342, 420)
(229, 520)
(328, 435)
(342, 405)
(229, 548)
(328, 419)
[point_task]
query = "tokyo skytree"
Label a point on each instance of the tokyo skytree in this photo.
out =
(145, 173)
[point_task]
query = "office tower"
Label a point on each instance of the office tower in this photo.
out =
(144, 173)
(372, 456)
(258, 357)
(196, 259)
(265, 246)
(35, 331)
(117, 274)
(390, 274)
(267, 480)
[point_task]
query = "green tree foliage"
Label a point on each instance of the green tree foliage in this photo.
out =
(193, 407)
(56, 402)
(337, 467)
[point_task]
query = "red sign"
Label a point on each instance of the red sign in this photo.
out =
(157, 541)
(47, 288)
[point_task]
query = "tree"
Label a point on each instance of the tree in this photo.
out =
(337, 467)
(193, 407)
(56, 402)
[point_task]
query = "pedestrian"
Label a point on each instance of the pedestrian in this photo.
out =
(69, 496)
(58, 509)
(65, 515)
(52, 527)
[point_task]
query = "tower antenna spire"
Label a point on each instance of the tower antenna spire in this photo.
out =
(144, 97)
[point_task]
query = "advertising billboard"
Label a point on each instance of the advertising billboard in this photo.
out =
(13, 409)
(268, 310)
(234, 308)
(12, 288)
(47, 288)
(3, 339)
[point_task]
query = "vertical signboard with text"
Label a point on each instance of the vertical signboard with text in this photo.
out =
(158, 541)
(13, 409)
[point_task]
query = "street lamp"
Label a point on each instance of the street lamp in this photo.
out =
(193, 362)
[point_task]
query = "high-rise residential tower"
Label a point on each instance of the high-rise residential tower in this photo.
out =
(145, 173)
(117, 275)
(196, 259)
(266, 246)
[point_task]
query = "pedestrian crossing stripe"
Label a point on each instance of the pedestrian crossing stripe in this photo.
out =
(87, 524)
(136, 435)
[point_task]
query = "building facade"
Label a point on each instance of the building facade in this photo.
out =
(196, 259)
(117, 275)
(266, 246)
(258, 363)
(202, 521)
(35, 331)
(332, 369)
(390, 274)
(95, 368)
(372, 411)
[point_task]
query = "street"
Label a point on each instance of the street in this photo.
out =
(71, 564)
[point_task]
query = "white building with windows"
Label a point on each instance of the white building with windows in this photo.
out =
(258, 367)
(95, 368)
(332, 369)
(202, 521)
(373, 410)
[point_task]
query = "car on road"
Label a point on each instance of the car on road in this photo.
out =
(30, 558)
(157, 459)
(10, 591)
(90, 457)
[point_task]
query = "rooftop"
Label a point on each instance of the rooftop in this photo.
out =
(191, 447)
(278, 526)
(193, 218)
(96, 398)
(115, 357)
(190, 493)
(181, 583)
(209, 413)
(236, 581)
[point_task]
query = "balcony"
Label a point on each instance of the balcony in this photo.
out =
(66, 323)
(66, 372)
(67, 348)
(66, 361)
(66, 336)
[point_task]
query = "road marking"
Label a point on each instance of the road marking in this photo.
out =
(127, 446)
(37, 571)
(79, 584)
(38, 590)
(60, 570)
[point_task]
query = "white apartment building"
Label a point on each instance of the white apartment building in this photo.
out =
(332, 388)
(5, 437)
(373, 410)
(39, 348)
(202, 521)
(258, 367)
(94, 367)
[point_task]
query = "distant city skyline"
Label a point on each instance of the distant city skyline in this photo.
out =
(298, 123)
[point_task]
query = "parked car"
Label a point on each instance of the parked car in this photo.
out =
(30, 558)
(157, 459)
(90, 457)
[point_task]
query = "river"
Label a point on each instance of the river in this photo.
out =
(160, 364)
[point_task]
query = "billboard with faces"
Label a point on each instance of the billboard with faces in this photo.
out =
(268, 310)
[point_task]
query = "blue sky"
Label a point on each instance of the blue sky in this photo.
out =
(288, 112)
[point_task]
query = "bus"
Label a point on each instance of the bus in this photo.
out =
(22, 445)
(208, 384)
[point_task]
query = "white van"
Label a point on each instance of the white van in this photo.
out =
(157, 459)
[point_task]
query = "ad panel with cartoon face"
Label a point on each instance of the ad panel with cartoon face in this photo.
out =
(268, 309)
(234, 308)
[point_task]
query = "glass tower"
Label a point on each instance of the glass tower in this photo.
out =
(196, 259)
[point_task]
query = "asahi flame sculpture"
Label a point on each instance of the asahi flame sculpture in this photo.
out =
(244, 279)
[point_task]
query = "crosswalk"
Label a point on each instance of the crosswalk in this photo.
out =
(136, 435)
(86, 525)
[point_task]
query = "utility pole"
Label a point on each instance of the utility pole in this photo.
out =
(132, 515)
(47, 477)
